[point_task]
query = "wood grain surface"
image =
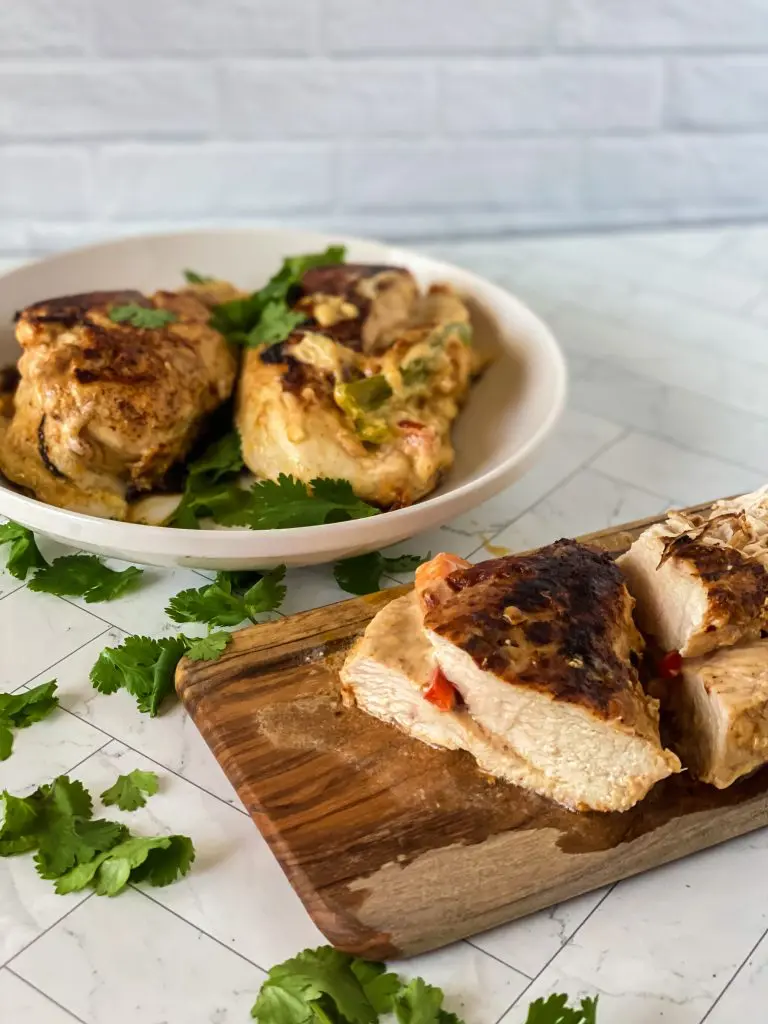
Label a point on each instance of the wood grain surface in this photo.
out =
(396, 848)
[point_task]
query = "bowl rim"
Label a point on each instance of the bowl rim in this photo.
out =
(138, 535)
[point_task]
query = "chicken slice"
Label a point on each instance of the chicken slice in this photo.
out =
(366, 390)
(541, 649)
(103, 409)
(719, 706)
(702, 582)
(387, 675)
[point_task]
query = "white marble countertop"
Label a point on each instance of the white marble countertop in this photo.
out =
(667, 339)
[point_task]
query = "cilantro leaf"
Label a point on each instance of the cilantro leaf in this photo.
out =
(379, 986)
(167, 863)
(239, 318)
(18, 710)
(84, 576)
(27, 706)
(362, 574)
(418, 1003)
(205, 488)
(554, 1010)
(6, 740)
(70, 841)
(221, 458)
(222, 603)
(24, 552)
(192, 277)
(296, 989)
(130, 791)
(146, 318)
(287, 502)
(56, 822)
(159, 860)
(210, 647)
(142, 666)
(276, 323)
(20, 819)
(267, 594)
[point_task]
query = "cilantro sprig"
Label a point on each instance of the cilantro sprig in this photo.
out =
(287, 502)
(362, 574)
(19, 710)
(209, 480)
(145, 667)
(75, 851)
(84, 576)
(230, 599)
(130, 791)
(326, 986)
(265, 315)
(24, 554)
(146, 318)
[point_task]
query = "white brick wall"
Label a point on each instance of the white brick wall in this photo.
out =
(401, 118)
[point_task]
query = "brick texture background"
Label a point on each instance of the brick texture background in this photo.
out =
(399, 118)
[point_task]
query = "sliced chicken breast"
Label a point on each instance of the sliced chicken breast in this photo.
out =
(542, 650)
(392, 669)
(702, 582)
(719, 707)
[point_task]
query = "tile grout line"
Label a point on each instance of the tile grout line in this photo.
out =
(734, 976)
(191, 924)
(45, 995)
(498, 960)
(558, 951)
(160, 764)
(52, 666)
(45, 931)
(674, 443)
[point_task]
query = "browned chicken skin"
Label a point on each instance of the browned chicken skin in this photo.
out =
(103, 409)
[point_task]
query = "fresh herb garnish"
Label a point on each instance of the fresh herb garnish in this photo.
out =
(275, 324)
(192, 277)
(362, 574)
(19, 710)
(555, 1010)
(130, 791)
(230, 599)
(287, 502)
(84, 576)
(146, 667)
(142, 666)
(240, 319)
(142, 316)
(158, 860)
(204, 488)
(74, 850)
(209, 648)
(56, 822)
(24, 553)
(326, 986)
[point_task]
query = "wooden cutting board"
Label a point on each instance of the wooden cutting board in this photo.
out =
(396, 848)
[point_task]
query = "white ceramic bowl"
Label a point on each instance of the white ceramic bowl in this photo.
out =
(510, 412)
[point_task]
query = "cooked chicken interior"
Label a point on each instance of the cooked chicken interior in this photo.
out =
(365, 390)
(391, 675)
(720, 709)
(104, 408)
(542, 650)
(702, 582)
(525, 662)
